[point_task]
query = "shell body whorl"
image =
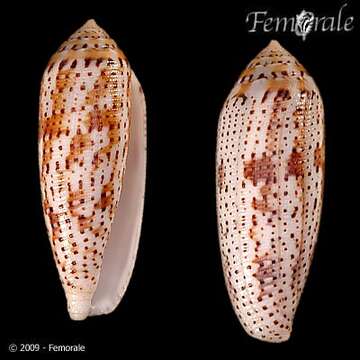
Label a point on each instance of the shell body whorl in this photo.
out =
(83, 148)
(269, 166)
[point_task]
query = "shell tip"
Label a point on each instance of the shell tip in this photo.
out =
(267, 336)
(274, 44)
(77, 316)
(90, 23)
(78, 307)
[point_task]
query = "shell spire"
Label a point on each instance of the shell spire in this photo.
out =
(91, 23)
(90, 28)
(270, 176)
(274, 49)
(273, 45)
(84, 133)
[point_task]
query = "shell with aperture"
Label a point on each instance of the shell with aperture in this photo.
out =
(92, 167)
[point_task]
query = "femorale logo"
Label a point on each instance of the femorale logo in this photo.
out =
(301, 24)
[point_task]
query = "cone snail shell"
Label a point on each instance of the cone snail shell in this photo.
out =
(92, 156)
(270, 168)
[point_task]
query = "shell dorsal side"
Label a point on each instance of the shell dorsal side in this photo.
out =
(270, 176)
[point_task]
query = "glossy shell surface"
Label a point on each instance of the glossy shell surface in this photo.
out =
(92, 113)
(270, 175)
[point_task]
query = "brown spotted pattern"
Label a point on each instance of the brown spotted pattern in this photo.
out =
(270, 165)
(83, 142)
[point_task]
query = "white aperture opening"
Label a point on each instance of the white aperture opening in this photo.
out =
(121, 249)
